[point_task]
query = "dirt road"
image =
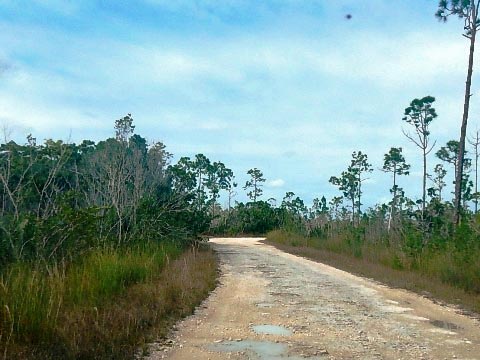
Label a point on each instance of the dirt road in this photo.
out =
(273, 305)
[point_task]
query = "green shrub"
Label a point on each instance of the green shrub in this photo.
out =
(33, 296)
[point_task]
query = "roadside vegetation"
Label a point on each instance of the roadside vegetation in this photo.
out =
(99, 246)
(432, 277)
(109, 306)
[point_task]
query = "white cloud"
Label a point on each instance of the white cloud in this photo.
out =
(391, 60)
(379, 59)
(384, 200)
(176, 120)
(277, 183)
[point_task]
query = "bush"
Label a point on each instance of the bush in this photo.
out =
(101, 305)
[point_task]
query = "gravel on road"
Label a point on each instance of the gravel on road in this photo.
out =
(274, 305)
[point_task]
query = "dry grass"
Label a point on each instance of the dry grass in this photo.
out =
(125, 319)
(376, 268)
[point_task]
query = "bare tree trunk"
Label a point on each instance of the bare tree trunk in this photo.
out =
(424, 187)
(463, 131)
(138, 177)
(359, 198)
(353, 210)
(392, 208)
(475, 142)
(45, 205)
(476, 173)
(15, 193)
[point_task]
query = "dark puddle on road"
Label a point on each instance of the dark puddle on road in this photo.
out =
(261, 350)
(264, 349)
(444, 325)
(271, 330)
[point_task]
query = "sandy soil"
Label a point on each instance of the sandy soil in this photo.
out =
(313, 311)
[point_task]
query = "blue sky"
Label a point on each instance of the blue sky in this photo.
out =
(289, 86)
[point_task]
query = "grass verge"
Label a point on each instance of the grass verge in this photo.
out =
(104, 307)
(376, 268)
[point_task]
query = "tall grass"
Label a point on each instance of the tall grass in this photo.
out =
(105, 273)
(68, 310)
(449, 272)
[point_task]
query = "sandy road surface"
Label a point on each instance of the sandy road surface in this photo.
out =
(273, 305)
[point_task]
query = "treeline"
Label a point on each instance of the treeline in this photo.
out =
(89, 234)
(405, 233)
(60, 199)
(435, 234)
(417, 234)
